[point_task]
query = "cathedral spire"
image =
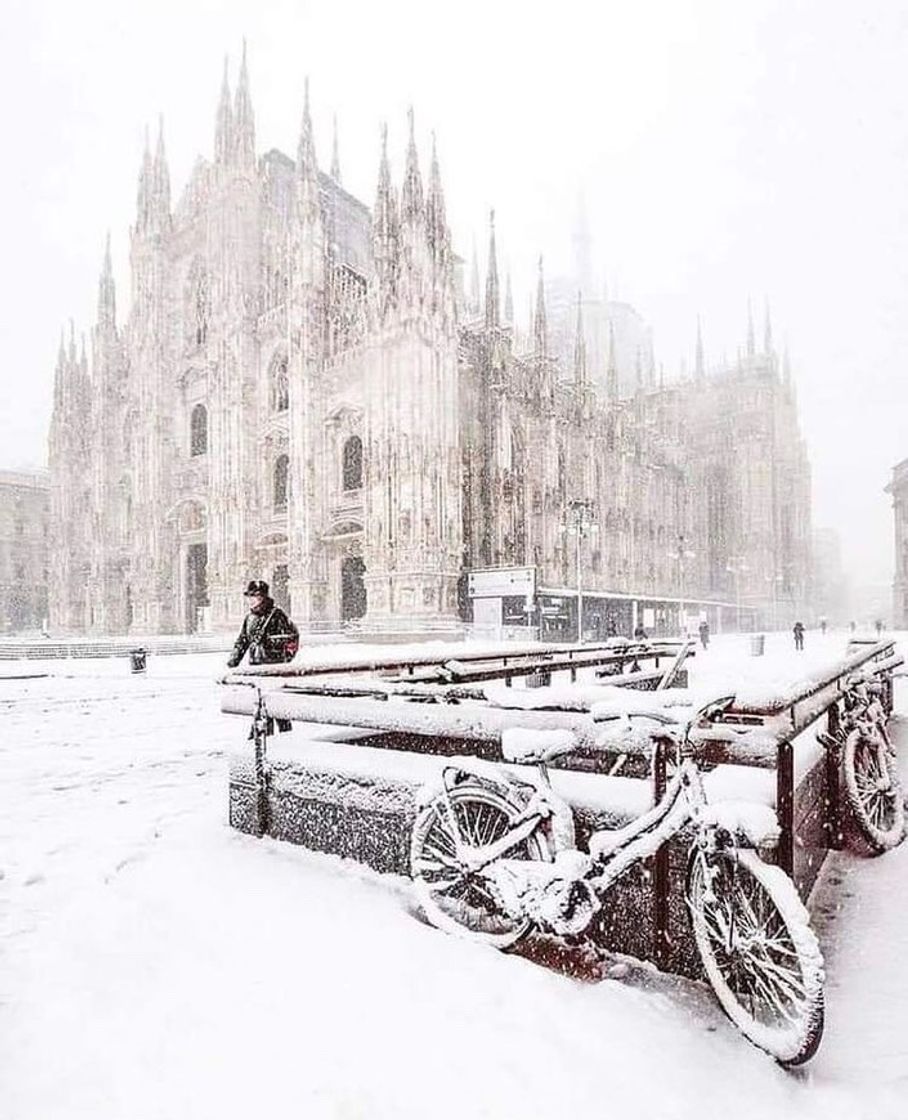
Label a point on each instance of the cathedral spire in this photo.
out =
(107, 302)
(767, 331)
(223, 132)
(508, 302)
(492, 295)
(540, 341)
(582, 247)
(161, 178)
(436, 218)
(699, 367)
(60, 375)
(411, 195)
(384, 230)
(335, 158)
(244, 119)
(751, 342)
(579, 347)
(474, 281)
(307, 165)
(143, 196)
(612, 376)
(306, 161)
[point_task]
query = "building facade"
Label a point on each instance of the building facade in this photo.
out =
(24, 556)
(302, 392)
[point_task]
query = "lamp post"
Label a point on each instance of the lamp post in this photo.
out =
(736, 567)
(774, 582)
(580, 523)
(681, 553)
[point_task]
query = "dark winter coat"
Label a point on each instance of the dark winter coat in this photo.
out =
(268, 634)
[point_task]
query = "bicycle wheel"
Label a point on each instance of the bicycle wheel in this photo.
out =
(874, 817)
(760, 954)
(453, 899)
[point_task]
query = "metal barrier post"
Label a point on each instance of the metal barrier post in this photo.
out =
(785, 805)
(260, 736)
(833, 822)
(660, 869)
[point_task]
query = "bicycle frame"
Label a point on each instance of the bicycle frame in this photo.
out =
(526, 886)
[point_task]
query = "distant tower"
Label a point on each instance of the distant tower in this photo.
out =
(582, 248)
(492, 306)
(699, 367)
(335, 158)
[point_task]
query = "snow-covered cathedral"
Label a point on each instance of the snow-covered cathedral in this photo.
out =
(303, 392)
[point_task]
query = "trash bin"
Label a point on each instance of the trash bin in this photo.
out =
(137, 660)
(757, 645)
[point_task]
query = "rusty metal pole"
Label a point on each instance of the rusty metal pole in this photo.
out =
(833, 823)
(660, 867)
(260, 736)
(785, 805)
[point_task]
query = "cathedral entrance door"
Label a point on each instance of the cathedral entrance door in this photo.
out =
(196, 584)
(353, 589)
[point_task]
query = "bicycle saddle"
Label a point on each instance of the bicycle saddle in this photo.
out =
(527, 745)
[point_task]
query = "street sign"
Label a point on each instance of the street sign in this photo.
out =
(495, 583)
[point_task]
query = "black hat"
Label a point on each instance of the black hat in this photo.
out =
(256, 587)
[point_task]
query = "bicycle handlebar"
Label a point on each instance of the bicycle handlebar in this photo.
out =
(718, 705)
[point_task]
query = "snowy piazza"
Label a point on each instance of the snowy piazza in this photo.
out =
(454, 561)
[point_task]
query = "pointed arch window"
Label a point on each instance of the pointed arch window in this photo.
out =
(198, 430)
(353, 463)
(281, 482)
(280, 386)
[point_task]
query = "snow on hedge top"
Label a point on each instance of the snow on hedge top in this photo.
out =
(780, 688)
(362, 656)
(523, 744)
(582, 697)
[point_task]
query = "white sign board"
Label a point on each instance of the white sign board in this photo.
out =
(492, 583)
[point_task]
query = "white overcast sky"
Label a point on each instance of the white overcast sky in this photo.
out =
(727, 150)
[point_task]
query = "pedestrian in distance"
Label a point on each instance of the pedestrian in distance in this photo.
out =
(639, 633)
(879, 626)
(798, 631)
(611, 627)
(704, 633)
(822, 625)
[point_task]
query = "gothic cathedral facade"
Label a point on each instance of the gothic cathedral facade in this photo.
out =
(302, 392)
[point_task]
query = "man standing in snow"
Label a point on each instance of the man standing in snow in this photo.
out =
(704, 633)
(267, 633)
(799, 635)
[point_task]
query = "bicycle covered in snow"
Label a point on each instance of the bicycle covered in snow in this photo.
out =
(873, 801)
(494, 856)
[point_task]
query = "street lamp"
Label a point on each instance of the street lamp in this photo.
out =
(580, 523)
(774, 581)
(736, 567)
(681, 553)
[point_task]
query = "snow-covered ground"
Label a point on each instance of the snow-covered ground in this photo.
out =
(154, 963)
